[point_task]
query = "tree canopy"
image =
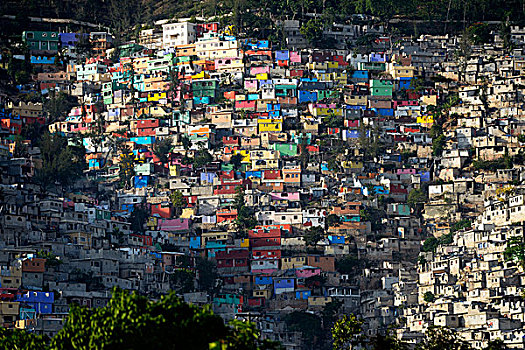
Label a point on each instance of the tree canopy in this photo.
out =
(346, 332)
(131, 321)
(441, 338)
(61, 162)
(515, 250)
(162, 148)
(178, 201)
(245, 216)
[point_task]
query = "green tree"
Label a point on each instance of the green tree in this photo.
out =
(365, 43)
(438, 144)
(33, 132)
(330, 312)
(429, 297)
(442, 338)
(333, 165)
(438, 139)
(236, 161)
(388, 342)
(244, 336)
(202, 158)
(207, 274)
(460, 225)
(51, 259)
(515, 250)
(20, 150)
(312, 31)
(496, 344)
(186, 142)
(374, 216)
(126, 167)
(178, 201)
(333, 121)
(332, 220)
(313, 235)
(20, 340)
(58, 105)
(131, 321)
(138, 218)
(479, 33)
(245, 216)
(430, 244)
(308, 324)
(162, 148)
(421, 260)
(61, 163)
(347, 265)
(182, 281)
(416, 196)
(505, 34)
(346, 332)
(495, 164)
(304, 156)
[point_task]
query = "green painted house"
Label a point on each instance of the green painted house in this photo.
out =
(381, 87)
(205, 88)
(41, 41)
(322, 94)
(286, 149)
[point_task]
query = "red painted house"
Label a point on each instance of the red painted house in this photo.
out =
(234, 259)
(226, 215)
(266, 253)
(231, 140)
(164, 211)
(228, 186)
(265, 237)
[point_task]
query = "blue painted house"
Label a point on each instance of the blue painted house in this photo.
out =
(41, 302)
(283, 285)
(303, 294)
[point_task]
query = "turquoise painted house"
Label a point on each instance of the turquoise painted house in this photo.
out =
(381, 87)
(286, 149)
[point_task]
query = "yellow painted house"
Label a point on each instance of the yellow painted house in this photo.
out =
(340, 78)
(187, 213)
(244, 153)
(201, 75)
(323, 76)
(264, 154)
(264, 164)
(262, 293)
(332, 65)
(353, 164)
(140, 65)
(174, 170)
(317, 66)
(264, 159)
(261, 76)
(152, 223)
(318, 301)
(425, 120)
(325, 111)
(429, 100)
(402, 72)
(270, 124)
(293, 262)
(156, 96)
(355, 100)
(80, 238)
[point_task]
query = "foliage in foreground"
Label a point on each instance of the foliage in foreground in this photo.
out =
(131, 321)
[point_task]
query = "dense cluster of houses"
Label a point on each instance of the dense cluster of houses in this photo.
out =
(308, 178)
